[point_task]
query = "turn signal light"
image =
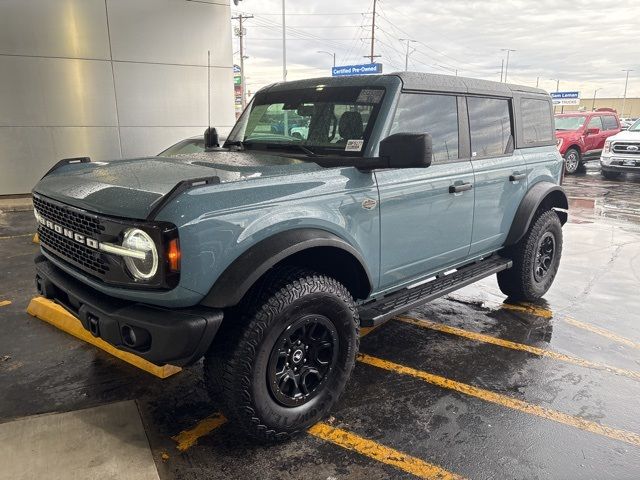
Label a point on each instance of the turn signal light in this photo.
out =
(173, 255)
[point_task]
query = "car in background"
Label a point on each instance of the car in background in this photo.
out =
(621, 153)
(580, 136)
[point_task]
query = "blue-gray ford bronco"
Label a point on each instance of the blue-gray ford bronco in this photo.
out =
(334, 204)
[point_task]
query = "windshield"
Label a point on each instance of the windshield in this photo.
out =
(191, 145)
(635, 127)
(333, 120)
(570, 123)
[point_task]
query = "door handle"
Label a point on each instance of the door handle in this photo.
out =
(461, 187)
(515, 176)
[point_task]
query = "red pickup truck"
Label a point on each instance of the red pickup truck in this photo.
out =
(581, 135)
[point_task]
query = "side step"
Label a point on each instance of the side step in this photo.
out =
(377, 311)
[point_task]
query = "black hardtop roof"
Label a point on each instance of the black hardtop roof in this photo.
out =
(415, 81)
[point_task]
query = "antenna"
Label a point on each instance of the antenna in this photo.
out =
(210, 134)
(209, 86)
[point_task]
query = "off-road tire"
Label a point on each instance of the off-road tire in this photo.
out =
(236, 365)
(610, 175)
(520, 282)
(572, 161)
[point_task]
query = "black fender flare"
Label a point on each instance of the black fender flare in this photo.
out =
(249, 267)
(547, 194)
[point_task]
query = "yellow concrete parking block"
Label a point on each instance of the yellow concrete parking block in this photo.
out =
(480, 337)
(380, 453)
(36, 239)
(505, 401)
(57, 316)
(4, 303)
(188, 438)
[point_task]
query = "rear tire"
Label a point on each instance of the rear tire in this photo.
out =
(285, 361)
(571, 161)
(536, 258)
(610, 175)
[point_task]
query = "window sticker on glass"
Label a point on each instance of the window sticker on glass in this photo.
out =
(354, 145)
(370, 96)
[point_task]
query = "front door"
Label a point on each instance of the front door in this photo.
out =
(500, 172)
(426, 214)
(592, 141)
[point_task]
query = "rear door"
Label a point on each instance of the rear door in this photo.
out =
(500, 171)
(426, 214)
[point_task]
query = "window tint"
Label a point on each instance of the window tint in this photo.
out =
(610, 122)
(433, 114)
(490, 126)
(595, 122)
(536, 121)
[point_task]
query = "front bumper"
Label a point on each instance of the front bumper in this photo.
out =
(617, 167)
(157, 334)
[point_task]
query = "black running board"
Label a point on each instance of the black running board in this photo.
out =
(377, 311)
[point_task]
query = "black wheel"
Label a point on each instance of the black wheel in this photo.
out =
(284, 362)
(571, 161)
(536, 258)
(609, 175)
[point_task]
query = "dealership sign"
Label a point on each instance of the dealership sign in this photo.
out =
(565, 98)
(347, 70)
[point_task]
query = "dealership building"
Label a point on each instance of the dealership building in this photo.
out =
(107, 79)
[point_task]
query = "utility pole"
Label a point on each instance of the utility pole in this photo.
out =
(240, 34)
(557, 90)
(501, 70)
(284, 44)
(593, 104)
(373, 35)
(406, 57)
(624, 97)
(537, 81)
(506, 67)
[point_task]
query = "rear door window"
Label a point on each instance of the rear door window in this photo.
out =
(536, 121)
(595, 122)
(490, 126)
(610, 122)
(436, 115)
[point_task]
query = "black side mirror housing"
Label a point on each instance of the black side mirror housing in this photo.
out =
(211, 138)
(407, 150)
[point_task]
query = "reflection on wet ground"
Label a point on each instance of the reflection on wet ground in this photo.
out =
(470, 385)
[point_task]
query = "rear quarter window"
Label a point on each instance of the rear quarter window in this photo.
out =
(536, 121)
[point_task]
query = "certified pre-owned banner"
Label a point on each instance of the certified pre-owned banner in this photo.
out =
(365, 69)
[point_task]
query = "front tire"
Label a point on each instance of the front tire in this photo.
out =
(286, 361)
(536, 258)
(610, 175)
(571, 161)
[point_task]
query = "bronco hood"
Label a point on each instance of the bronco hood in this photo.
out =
(130, 188)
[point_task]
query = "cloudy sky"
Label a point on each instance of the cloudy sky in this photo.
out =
(584, 43)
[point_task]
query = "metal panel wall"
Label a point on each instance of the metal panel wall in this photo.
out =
(63, 94)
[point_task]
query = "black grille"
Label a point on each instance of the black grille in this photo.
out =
(76, 221)
(621, 147)
(80, 254)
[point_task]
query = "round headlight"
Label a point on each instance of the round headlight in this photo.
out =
(141, 268)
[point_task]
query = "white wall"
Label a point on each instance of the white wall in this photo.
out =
(107, 79)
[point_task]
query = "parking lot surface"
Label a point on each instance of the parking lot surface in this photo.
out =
(469, 386)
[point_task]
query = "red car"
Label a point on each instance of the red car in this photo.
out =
(581, 135)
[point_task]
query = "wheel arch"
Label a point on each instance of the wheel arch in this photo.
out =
(313, 248)
(542, 195)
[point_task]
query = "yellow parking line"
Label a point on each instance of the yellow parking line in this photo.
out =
(480, 337)
(528, 308)
(57, 316)
(4, 303)
(602, 332)
(16, 236)
(382, 454)
(505, 401)
(188, 438)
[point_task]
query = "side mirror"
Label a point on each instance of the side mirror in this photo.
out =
(407, 150)
(211, 138)
(592, 131)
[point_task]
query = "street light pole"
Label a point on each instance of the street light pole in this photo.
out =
(506, 67)
(593, 104)
(406, 57)
(557, 90)
(333, 54)
(284, 44)
(624, 97)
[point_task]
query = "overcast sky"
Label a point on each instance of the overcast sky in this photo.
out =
(584, 43)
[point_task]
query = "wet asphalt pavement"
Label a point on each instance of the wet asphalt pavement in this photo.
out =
(474, 408)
